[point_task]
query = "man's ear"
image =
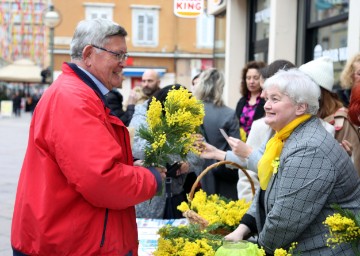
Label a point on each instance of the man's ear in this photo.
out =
(301, 108)
(87, 52)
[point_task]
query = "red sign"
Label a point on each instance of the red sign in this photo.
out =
(188, 8)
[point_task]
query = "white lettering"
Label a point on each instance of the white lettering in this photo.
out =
(337, 54)
(262, 16)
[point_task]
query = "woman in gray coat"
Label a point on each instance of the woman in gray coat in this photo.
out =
(302, 173)
(209, 89)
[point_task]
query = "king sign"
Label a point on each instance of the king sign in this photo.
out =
(188, 8)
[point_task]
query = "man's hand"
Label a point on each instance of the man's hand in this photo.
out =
(133, 98)
(184, 168)
(162, 172)
(139, 163)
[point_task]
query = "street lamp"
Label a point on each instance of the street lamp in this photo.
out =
(51, 19)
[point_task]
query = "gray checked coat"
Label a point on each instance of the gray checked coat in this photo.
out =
(314, 173)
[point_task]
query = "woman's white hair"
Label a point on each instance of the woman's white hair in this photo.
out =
(298, 86)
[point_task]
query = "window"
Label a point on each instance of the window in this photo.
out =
(205, 31)
(145, 30)
(98, 10)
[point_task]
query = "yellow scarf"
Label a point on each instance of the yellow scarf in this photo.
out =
(273, 150)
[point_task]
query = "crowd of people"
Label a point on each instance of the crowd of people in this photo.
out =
(83, 182)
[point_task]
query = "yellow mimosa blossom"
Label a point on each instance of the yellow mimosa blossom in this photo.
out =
(159, 142)
(342, 229)
(215, 210)
(170, 127)
(281, 252)
(261, 252)
(183, 207)
(153, 115)
(275, 164)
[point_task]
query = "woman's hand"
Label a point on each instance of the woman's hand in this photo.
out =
(239, 233)
(199, 142)
(347, 146)
(239, 147)
(211, 152)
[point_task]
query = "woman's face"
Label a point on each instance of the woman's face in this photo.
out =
(356, 74)
(279, 109)
(253, 80)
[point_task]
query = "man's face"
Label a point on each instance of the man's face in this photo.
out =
(105, 66)
(150, 82)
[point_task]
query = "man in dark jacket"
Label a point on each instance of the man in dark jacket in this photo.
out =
(115, 102)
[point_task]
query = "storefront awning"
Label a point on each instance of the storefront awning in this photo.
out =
(138, 71)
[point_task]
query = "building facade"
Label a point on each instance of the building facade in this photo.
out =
(22, 32)
(228, 35)
(295, 30)
(177, 47)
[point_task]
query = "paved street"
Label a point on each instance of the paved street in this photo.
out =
(13, 141)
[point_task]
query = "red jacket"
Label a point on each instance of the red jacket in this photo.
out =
(78, 187)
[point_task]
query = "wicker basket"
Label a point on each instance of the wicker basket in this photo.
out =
(191, 215)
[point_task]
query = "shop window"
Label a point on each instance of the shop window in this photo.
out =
(331, 41)
(259, 20)
(323, 31)
(325, 9)
(220, 41)
(145, 22)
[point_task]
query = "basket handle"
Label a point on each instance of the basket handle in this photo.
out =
(203, 173)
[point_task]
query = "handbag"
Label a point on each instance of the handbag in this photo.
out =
(172, 202)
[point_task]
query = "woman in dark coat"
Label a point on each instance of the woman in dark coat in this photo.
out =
(251, 106)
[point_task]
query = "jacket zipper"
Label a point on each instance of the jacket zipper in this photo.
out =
(104, 230)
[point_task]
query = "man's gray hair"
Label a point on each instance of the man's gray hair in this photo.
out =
(298, 86)
(96, 32)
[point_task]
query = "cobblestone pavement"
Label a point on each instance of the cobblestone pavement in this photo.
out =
(13, 142)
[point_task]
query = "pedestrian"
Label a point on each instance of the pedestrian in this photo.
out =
(78, 185)
(17, 104)
(209, 89)
(150, 84)
(354, 107)
(250, 107)
(349, 76)
(303, 171)
(260, 132)
(331, 109)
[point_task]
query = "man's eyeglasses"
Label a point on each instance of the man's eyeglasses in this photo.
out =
(121, 56)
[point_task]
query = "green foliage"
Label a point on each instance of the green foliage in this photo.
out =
(191, 232)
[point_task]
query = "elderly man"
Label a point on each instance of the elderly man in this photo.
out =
(78, 185)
